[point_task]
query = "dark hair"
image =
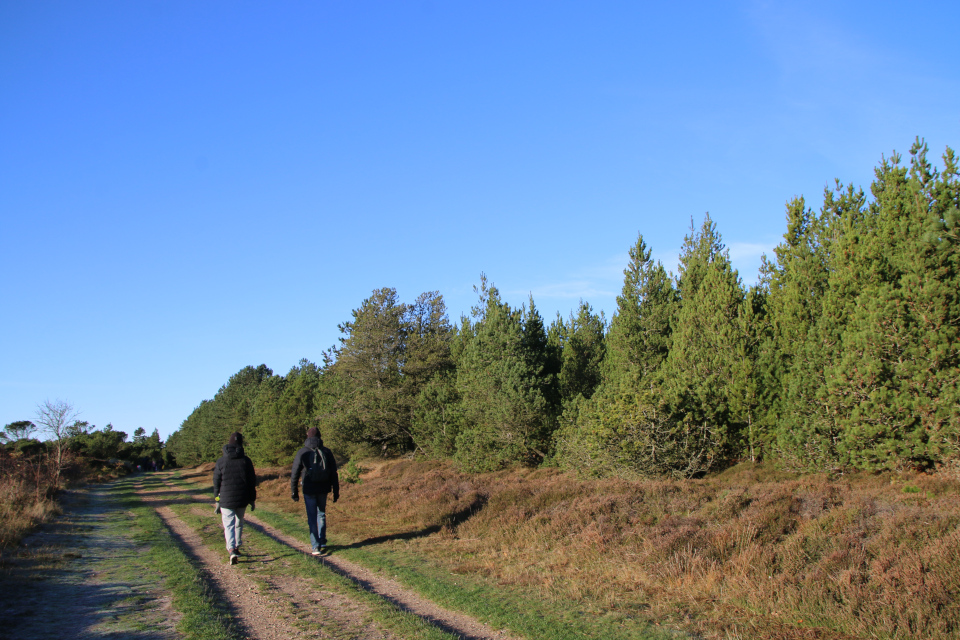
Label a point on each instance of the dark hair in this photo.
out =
(236, 438)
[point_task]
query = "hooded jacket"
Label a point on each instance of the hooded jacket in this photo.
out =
(234, 478)
(302, 462)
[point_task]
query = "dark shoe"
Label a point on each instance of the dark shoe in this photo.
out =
(234, 558)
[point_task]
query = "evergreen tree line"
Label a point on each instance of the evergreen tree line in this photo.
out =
(87, 441)
(844, 355)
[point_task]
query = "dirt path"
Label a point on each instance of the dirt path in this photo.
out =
(81, 577)
(255, 615)
(271, 607)
(466, 627)
(256, 609)
(85, 577)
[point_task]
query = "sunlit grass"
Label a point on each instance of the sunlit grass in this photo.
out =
(314, 573)
(750, 552)
(202, 615)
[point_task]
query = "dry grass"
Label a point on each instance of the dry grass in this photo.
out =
(28, 489)
(744, 554)
(26, 496)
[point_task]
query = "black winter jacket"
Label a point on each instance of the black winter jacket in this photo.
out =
(302, 462)
(234, 478)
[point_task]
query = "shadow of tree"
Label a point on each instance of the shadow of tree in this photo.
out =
(450, 521)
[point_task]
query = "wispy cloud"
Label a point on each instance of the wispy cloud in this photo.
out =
(842, 88)
(600, 283)
(573, 290)
(749, 251)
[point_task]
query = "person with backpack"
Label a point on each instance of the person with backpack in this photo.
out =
(319, 470)
(234, 487)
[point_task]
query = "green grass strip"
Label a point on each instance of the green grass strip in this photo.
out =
(497, 605)
(404, 624)
(202, 618)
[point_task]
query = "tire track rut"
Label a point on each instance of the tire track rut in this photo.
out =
(270, 607)
(254, 613)
(257, 612)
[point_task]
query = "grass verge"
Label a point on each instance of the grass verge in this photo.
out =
(378, 611)
(202, 617)
(752, 552)
(496, 605)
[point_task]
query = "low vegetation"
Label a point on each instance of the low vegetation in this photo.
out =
(26, 495)
(32, 472)
(29, 482)
(745, 554)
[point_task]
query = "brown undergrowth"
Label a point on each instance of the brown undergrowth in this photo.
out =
(29, 486)
(748, 553)
(26, 495)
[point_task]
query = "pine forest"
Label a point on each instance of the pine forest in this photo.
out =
(844, 356)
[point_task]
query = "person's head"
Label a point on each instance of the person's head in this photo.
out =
(236, 438)
(313, 432)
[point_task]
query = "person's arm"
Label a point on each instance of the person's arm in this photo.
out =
(335, 483)
(217, 477)
(252, 483)
(295, 476)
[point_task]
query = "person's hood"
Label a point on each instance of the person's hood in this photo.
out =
(313, 443)
(233, 450)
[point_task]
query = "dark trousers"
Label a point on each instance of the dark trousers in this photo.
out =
(316, 519)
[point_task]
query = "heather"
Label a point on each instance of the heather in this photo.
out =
(747, 553)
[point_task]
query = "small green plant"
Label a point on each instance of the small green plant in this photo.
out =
(351, 473)
(911, 489)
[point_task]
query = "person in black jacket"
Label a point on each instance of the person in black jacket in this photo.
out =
(319, 470)
(234, 487)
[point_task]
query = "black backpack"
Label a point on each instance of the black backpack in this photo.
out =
(319, 470)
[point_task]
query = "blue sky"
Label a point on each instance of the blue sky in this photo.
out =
(187, 188)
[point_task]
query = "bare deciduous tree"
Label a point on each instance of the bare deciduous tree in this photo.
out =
(54, 418)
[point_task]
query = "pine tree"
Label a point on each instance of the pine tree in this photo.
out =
(790, 358)
(542, 359)
(505, 406)
(622, 428)
(894, 382)
(639, 336)
(428, 337)
(233, 403)
(807, 301)
(582, 352)
(709, 366)
(428, 373)
(369, 363)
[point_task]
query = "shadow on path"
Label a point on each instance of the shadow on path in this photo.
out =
(72, 579)
(459, 625)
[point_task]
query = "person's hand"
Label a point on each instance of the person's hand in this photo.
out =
(216, 509)
(336, 497)
(253, 506)
(295, 497)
